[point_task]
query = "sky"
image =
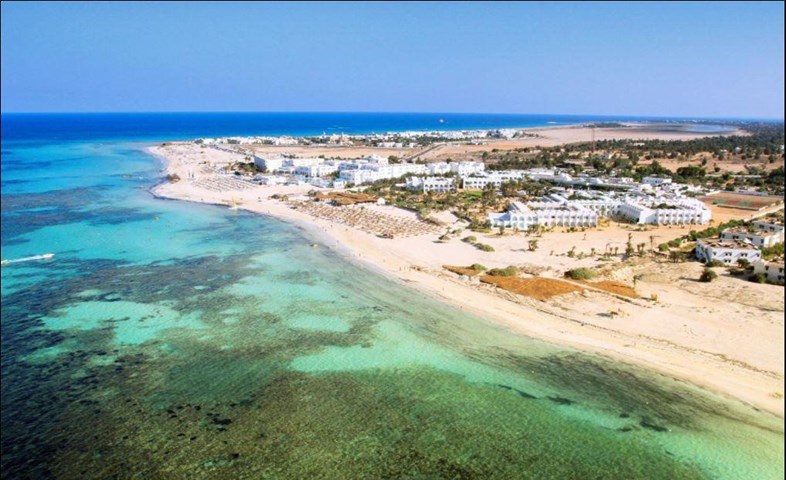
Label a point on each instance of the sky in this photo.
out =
(703, 59)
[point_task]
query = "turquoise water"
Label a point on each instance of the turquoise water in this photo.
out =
(171, 340)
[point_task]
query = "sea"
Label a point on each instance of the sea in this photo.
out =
(170, 340)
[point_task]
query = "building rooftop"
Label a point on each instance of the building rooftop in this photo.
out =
(771, 220)
(733, 244)
(747, 230)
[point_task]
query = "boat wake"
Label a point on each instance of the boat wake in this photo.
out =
(45, 256)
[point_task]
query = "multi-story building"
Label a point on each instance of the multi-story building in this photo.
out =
(769, 224)
(656, 180)
(431, 184)
(268, 164)
(312, 171)
(372, 172)
(496, 178)
(681, 211)
(438, 168)
(726, 251)
(467, 168)
(773, 270)
(756, 236)
(548, 214)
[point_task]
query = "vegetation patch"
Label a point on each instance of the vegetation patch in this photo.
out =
(707, 276)
(581, 274)
(539, 288)
(509, 271)
(470, 271)
(484, 247)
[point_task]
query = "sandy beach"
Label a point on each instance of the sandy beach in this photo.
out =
(726, 336)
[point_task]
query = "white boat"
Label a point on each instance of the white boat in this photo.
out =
(44, 256)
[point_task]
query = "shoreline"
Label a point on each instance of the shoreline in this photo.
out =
(709, 370)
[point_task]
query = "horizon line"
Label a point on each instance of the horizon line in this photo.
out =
(181, 112)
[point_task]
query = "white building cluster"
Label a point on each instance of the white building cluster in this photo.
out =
(431, 184)
(759, 237)
(356, 171)
(741, 243)
(548, 214)
(482, 179)
(639, 209)
(726, 251)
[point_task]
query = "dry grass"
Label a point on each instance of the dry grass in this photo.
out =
(614, 287)
(539, 288)
(461, 270)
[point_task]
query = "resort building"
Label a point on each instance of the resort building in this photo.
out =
(548, 214)
(770, 224)
(772, 270)
(269, 165)
(312, 171)
(303, 162)
(680, 211)
(438, 168)
(497, 178)
(431, 184)
(726, 251)
(655, 180)
(372, 172)
(753, 235)
(467, 168)
(270, 180)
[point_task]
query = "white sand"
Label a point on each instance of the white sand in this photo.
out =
(726, 336)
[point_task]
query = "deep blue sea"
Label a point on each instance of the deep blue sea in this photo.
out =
(182, 126)
(168, 340)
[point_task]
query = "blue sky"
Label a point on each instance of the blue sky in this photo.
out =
(666, 59)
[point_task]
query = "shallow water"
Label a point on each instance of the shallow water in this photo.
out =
(170, 340)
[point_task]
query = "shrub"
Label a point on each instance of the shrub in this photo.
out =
(715, 263)
(758, 278)
(581, 274)
(478, 267)
(173, 178)
(470, 239)
(509, 271)
(707, 276)
(484, 247)
(663, 247)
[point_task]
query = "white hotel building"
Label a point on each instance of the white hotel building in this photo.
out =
(726, 251)
(313, 171)
(496, 178)
(682, 211)
(549, 214)
(373, 172)
(461, 168)
(772, 270)
(676, 211)
(770, 225)
(431, 184)
(757, 237)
